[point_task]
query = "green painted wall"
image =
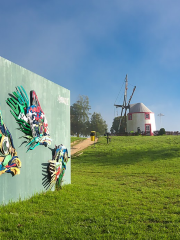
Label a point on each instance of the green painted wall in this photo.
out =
(33, 177)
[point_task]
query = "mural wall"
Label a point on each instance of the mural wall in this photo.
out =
(9, 161)
(36, 117)
(31, 119)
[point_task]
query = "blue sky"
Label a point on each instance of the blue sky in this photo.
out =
(89, 46)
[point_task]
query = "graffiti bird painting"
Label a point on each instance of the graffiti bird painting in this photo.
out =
(30, 118)
(9, 161)
(57, 165)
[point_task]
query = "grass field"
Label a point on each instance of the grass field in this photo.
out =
(77, 139)
(127, 189)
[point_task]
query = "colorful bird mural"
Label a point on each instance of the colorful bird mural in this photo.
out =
(30, 117)
(9, 161)
(57, 165)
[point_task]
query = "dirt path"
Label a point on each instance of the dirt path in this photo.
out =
(82, 145)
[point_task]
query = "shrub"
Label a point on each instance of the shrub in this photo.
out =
(162, 131)
(98, 134)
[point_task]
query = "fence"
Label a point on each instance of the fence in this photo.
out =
(167, 133)
(147, 133)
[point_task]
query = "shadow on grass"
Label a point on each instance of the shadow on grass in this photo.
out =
(112, 157)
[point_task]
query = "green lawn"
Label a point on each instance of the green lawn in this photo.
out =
(127, 189)
(77, 139)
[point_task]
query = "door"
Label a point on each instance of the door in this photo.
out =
(148, 129)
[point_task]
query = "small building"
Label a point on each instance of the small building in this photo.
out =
(140, 117)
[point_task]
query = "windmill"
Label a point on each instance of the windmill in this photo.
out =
(125, 105)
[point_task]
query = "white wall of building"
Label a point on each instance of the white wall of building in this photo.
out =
(138, 120)
(153, 123)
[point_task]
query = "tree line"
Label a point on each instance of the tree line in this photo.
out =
(115, 129)
(82, 121)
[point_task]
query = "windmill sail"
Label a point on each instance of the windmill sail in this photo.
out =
(125, 105)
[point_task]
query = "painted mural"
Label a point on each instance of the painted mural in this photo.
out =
(30, 118)
(57, 165)
(9, 161)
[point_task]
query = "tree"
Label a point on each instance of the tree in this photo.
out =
(97, 123)
(162, 131)
(115, 125)
(80, 116)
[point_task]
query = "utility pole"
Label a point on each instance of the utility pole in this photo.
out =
(160, 115)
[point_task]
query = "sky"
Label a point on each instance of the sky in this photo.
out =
(89, 46)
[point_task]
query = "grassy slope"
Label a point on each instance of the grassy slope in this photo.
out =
(77, 139)
(128, 189)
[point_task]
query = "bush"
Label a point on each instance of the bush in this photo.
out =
(137, 133)
(98, 134)
(162, 131)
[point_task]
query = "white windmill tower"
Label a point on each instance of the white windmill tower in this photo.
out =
(139, 118)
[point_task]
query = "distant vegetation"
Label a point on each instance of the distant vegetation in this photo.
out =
(115, 125)
(127, 189)
(162, 131)
(77, 139)
(81, 122)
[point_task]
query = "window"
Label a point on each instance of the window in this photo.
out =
(147, 116)
(130, 116)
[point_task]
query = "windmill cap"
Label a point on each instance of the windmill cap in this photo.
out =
(138, 107)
